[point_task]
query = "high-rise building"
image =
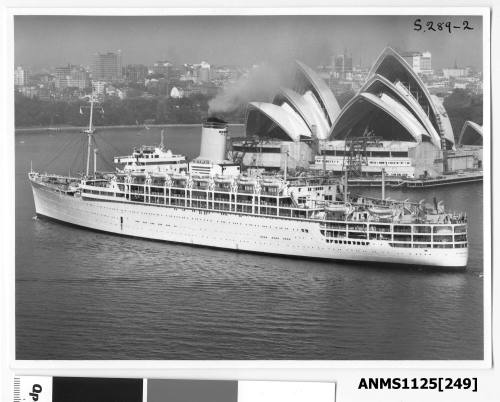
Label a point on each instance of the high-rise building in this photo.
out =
(426, 63)
(421, 62)
(342, 65)
(107, 66)
(135, 72)
(72, 76)
(21, 76)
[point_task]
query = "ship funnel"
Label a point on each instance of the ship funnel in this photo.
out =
(213, 140)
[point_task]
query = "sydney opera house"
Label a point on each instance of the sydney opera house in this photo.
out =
(471, 135)
(304, 124)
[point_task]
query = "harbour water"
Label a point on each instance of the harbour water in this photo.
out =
(87, 295)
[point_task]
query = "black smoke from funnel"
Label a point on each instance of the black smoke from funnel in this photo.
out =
(260, 85)
(215, 119)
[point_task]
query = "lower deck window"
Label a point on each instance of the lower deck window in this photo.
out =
(400, 245)
(442, 245)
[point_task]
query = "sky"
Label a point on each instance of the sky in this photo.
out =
(48, 41)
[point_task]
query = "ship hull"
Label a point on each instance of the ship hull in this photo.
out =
(228, 230)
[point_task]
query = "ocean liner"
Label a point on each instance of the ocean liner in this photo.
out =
(214, 204)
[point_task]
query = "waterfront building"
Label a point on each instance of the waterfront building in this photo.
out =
(396, 158)
(406, 129)
(107, 66)
(411, 126)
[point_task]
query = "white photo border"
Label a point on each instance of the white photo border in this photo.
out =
(186, 368)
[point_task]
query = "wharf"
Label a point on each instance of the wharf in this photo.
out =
(399, 182)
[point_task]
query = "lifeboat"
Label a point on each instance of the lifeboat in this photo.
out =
(223, 179)
(380, 210)
(337, 207)
(158, 174)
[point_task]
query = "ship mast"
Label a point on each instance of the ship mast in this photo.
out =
(161, 136)
(286, 166)
(90, 132)
(383, 184)
(346, 184)
(95, 160)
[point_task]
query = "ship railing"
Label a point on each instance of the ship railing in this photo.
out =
(242, 191)
(246, 202)
(285, 212)
(53, 176)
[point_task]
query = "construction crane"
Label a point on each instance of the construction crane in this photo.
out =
(355, 155)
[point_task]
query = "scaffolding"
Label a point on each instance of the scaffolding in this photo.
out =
(444, 145)
(247, 143)
(355, 154)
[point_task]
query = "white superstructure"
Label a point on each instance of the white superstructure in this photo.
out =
(151, 158)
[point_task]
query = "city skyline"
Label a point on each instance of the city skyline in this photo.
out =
(274, 39)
